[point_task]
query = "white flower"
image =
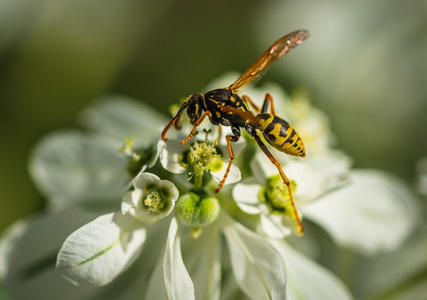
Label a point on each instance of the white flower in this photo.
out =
(266, 195)
(72, 167)
(358, 208)
(102, 249)
(375, 213)
(210, 157)
(151, 200)
(146, 251)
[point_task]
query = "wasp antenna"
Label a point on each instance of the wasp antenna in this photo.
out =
(302, 35)
(175, 119)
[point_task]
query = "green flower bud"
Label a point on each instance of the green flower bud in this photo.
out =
(275, 194)
(197, 209)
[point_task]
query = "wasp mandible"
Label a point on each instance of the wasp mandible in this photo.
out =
(225, 107)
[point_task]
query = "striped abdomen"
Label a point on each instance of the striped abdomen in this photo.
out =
(280, 134)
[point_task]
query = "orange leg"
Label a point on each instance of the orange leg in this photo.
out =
(268, 100)
(285, 180)
(229, 139)
(197, 123)
(249, 100)
(219, 131)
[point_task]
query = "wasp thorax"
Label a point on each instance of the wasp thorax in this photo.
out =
(194, 109)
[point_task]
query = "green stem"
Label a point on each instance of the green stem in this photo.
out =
(198, 181)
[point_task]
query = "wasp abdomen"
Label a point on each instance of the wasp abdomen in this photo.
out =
(280, 134)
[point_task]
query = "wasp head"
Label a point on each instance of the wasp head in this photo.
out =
(194, 108)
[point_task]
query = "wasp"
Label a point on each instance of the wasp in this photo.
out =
(225, 107)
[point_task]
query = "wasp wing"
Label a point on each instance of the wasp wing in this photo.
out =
(273, 53)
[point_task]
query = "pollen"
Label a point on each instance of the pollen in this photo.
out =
(153, 202)
(202, 156)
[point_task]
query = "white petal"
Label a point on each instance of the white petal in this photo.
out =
(156, 154)
(405, 280)
(156, 286)
(178, 282)
(70, 165)
(245, 193)
(258, 267)
(136, 198)
(28, 252)
(169, 157)
(146, 179)
(262, 167)
(131, 205)
(171, 206)
(273, 227)
(102, 249)
(308, 280)
(376, 212)
(146, 216)
(127, 204)
(174, 193)
(144, 279)
(202, 258)
(233, 176)
(122, 117)
(318, 175)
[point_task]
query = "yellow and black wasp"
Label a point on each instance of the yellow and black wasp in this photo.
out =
(225, 107)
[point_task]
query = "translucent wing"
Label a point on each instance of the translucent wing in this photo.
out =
(276, 51)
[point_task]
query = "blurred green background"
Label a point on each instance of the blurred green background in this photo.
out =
(366, 66)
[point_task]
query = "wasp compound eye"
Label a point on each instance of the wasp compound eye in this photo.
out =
(194, 110)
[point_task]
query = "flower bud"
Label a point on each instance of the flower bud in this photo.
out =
(197, 209)
(275, 195)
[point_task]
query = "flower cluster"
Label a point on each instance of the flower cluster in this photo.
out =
(155, 228)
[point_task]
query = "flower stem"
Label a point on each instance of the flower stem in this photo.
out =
(198, 181)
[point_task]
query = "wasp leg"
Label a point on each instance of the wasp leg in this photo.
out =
(285, 180)
(249, 100)
(229, 138)
(219, 131)
(268, 99)
(197, 123)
